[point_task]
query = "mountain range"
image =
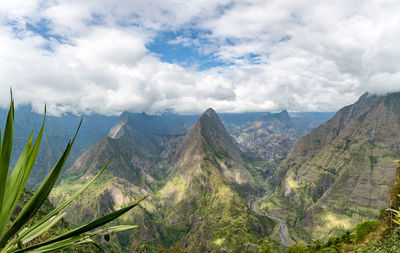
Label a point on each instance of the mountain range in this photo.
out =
(197, 176)
(223, 182)
(196, 183)
(60, 129)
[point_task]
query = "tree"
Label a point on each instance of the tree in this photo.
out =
(16, 234)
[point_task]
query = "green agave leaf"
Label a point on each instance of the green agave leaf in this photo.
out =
(83, 238)
(42, 228)
(5, 155)
(13, 192)
(20, 175)
(59, 208)
(113, 229)
(36, 146)
(85, 228)
(39, 197)
(63, 244)
(19, 169)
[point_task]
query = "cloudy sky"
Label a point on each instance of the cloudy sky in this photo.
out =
(188, 55)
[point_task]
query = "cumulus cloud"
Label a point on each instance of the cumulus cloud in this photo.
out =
(92, 56)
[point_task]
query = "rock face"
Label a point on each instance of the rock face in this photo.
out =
(341, 171)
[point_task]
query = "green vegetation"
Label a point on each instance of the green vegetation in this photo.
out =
(266, 246)
(368, 236)
(18, 234)
(364, 228)
(339, 174)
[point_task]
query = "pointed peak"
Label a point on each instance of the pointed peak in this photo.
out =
(208, 134)
(210, 112)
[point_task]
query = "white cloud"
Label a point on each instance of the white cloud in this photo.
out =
(295, 55)
(384, 83)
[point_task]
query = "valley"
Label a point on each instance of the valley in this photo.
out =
(223, 182)
(284, 236)
(197, 182)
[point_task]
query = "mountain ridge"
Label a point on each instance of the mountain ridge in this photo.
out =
(340, 172)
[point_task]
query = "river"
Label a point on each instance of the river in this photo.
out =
(283, 230)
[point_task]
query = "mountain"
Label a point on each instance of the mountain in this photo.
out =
(198, 184)
(204, 201)
(340, 172)
(57, 132)
(270, 136)
(140, 149)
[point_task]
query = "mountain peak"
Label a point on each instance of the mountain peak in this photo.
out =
(208, 135)
(211, 113)
(282, 117)
(210, 119)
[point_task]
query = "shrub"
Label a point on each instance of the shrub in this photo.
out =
(364, 228)
(265, 246)
(299, 248)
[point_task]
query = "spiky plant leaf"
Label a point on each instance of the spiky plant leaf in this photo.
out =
(5, 155)
(11, 190)
(87, 227)
(44, 227)
(20, 175)
(40, 195)
(59, 208)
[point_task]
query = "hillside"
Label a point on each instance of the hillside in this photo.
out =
(205, 197)
(340, 173)
(140, 157)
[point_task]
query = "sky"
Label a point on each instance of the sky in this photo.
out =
(184, 56)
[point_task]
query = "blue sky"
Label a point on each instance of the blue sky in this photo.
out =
(186, 56)
(168, 50)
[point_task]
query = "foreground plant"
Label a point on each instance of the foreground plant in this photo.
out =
(16, 234)
(396, 218)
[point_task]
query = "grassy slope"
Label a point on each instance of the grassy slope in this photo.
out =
(370, 236)
(338, 174)
(207, 212)
(204, 202)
